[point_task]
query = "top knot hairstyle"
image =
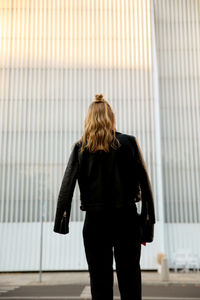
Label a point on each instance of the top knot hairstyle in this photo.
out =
(99, 98)
(99, 127)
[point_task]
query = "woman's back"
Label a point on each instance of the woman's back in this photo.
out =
(106, 179)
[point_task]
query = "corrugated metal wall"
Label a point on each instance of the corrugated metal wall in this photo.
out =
(177, 26)
(177, 35)
(54, 56)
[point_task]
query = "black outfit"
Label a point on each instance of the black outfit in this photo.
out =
(107, 233)
(108, 183)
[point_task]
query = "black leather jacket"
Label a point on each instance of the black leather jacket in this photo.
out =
(106, 180)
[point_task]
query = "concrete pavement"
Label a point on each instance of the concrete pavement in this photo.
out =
(69, 277)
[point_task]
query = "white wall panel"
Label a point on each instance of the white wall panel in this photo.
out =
(67, 252)
(60, 252)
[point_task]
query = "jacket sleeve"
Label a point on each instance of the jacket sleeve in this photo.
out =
(66, 190)
(148, 211)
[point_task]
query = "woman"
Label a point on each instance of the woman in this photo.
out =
(110, 168)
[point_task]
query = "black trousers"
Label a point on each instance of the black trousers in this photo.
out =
(117, 232)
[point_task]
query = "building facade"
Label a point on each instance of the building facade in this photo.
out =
(54, 56)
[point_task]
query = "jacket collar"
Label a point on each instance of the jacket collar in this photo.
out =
(117, 132)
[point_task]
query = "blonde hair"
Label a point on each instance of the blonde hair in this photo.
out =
(99, 127)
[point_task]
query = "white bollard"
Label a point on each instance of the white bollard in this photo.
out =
(164, 269)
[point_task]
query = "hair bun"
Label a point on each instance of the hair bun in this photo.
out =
(99, 98)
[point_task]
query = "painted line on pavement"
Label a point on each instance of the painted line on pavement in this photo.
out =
(87, 298)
